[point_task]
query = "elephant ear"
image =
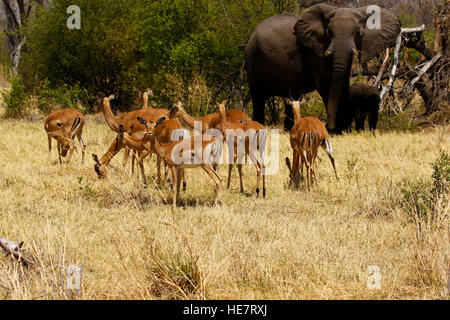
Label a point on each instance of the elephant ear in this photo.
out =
(376, 40)
(310, 28)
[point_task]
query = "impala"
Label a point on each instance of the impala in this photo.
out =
(198, 151)
(254, 135)
(128, 121)
(63, 125)
(209, 121)
(169, 130)
(306, 136)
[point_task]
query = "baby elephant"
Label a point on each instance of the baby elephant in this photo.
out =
(364, 100)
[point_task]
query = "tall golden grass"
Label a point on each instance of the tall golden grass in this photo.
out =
(295, 244)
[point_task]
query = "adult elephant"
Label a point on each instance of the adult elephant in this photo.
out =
(289, 55)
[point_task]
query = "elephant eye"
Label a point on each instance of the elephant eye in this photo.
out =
(329, 33)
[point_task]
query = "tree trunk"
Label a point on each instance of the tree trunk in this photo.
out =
(17, 13)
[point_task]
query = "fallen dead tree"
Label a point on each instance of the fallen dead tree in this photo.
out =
(430, 77)
(13, 249)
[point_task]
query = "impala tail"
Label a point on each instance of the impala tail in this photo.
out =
(326, 145)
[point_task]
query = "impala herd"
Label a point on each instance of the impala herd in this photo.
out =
(159, 131)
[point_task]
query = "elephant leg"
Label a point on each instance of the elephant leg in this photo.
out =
(373, 120)
(259, 105)
(288, 117)
(359, 120)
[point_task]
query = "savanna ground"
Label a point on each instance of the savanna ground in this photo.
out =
(301, 244)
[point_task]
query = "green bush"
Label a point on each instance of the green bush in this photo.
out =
(15, 99)
(422, 199)
(65, 97)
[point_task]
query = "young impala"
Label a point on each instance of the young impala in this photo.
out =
(254, 135)
(198, 151)
(306, 136)
(63, 125)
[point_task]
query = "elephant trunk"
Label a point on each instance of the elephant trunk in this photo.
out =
(341, 63)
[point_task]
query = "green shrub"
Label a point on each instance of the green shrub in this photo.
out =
(15, 99)
(402, 121)
(64, 96)
(441, 174)
(422, 199)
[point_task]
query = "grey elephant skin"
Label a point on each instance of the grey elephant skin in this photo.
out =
(364, 101)
(289, 55)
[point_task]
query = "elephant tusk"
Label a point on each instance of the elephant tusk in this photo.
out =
(355, 52)
(327, 53)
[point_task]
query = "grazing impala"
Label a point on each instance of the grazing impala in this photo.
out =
(170, 130)
(198, 151)
(255, 136)
(307, 135)
(63, 125)
(209, 121)
(129, 122)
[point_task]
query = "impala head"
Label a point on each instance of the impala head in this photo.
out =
(177, 108)
(102, 101)
(102, 168)
(150, 129)
(65, 137)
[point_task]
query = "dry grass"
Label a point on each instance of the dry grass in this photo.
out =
(292, 245)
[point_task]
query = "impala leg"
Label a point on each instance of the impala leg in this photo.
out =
(305, 161)
(141, 166)
(133, 159)
(332, 163)
(83, 147)
(158, 169)
(239, 166)
(313, 167)
(217, 180)
(58, 146)
(184, 181)
(294, 170)
(258, 171)
(49, 145)
(180, 173)
(125, 157)
(230, 169)
(69, 155)
(173, 170)
(166, 178)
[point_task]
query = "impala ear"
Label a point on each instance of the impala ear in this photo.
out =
(160, 121)
(142, 121)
